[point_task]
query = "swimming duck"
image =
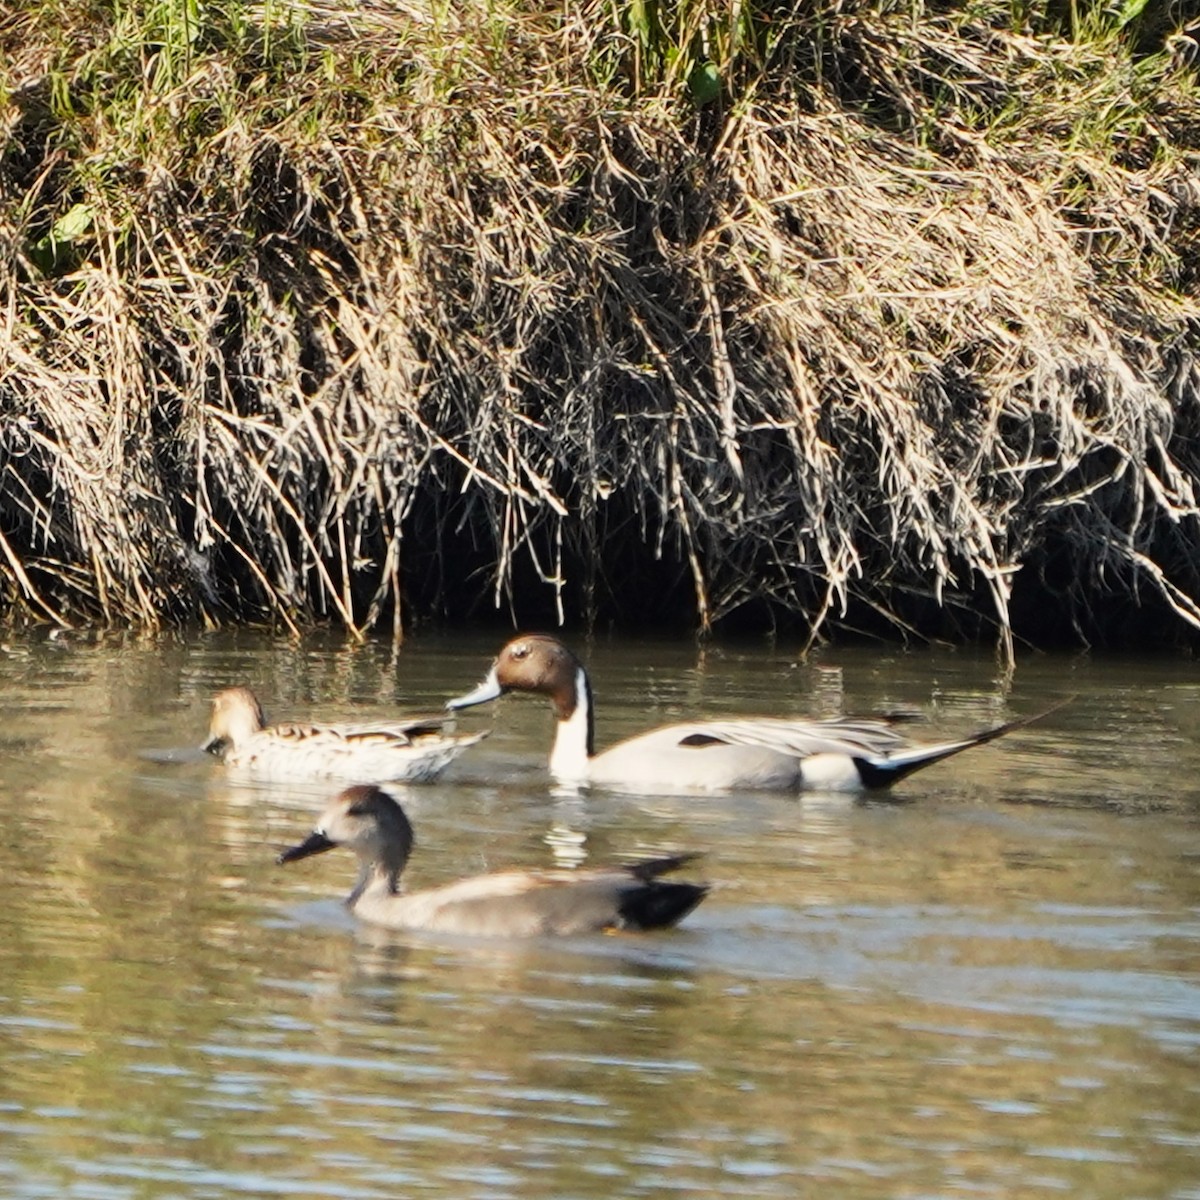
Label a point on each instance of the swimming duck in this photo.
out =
(416, 749)
(836, 754)
(505, 904)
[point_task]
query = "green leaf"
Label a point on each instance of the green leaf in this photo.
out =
(52, 253)
(1131, 10)
(73, 224)
(704, 83)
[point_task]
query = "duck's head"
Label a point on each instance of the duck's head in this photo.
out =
(236, 715)
(364, 819)
(535, 662)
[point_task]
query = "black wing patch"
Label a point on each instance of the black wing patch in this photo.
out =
(702, 739)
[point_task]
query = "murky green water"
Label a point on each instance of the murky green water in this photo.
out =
(989, 987)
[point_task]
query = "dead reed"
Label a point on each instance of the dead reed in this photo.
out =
(852, 314)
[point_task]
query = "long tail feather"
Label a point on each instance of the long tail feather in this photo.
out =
(652, 868)
(883, 772)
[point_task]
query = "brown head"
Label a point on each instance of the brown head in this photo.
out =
(534, 662)
(236, 715)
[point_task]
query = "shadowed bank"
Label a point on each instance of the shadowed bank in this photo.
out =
(832, 315)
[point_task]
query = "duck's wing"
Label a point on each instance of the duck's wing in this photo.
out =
(799, 739)
(415, 732)
(357, 754)
(531, 903)
(881, 756)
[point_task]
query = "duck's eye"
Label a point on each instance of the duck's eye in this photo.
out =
(520, 651)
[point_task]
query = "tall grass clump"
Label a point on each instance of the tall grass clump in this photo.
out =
(849, 313)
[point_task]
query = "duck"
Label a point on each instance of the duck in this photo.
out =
(837, 754)
(510, 904)
(416, 749)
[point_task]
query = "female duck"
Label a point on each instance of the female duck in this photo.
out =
(504, 904)
(417, 749)
(838, 754)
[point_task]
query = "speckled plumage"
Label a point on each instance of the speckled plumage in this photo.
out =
(411, 750)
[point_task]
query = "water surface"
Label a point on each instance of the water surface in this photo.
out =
(986, 985)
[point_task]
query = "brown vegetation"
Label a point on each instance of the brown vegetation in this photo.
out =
(852, 314)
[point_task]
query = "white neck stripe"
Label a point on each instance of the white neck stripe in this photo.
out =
(569, 756)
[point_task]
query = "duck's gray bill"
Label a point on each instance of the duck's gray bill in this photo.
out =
(489, 689)
(313, 844)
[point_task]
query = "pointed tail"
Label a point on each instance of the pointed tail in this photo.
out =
(879, 773)
(658, 903)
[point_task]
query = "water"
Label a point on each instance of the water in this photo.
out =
(988, 985)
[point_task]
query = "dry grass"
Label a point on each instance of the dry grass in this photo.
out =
(312, 309)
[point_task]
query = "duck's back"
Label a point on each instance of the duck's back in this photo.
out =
(752, 752)
(530, 904)
(685, 758)
(360, 754)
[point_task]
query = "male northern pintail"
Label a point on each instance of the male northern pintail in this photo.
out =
(504, 904)
(836, 754)
(411, 750)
